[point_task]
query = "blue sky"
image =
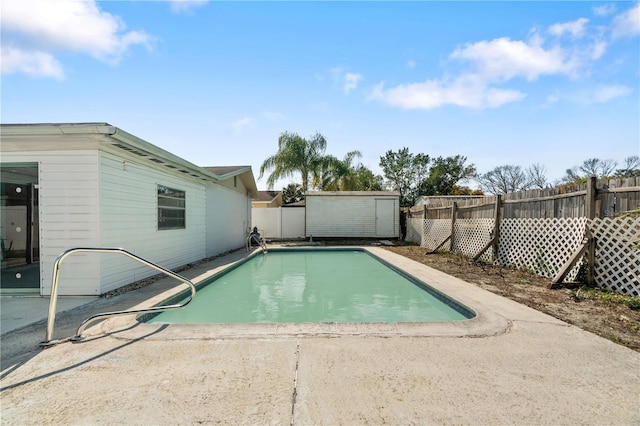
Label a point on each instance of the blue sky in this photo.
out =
(216, 83)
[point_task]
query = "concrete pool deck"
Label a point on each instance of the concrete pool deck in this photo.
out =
(518, 366)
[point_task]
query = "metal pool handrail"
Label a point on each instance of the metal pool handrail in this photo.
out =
(261, 243)
(54, 292)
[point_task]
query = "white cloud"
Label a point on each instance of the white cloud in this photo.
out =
(598, 49)
(468, 91)
(242, 123)
(487, 64)
(503, 59)
(574, 28)
(627, 24)
(411, 64)
(351, 81)
(604, 10)
(187, 6)
(607, 93)
(494, 98)
(567, 48)
(43, 27)
(33, 63)
(348, 80)
(595, 95)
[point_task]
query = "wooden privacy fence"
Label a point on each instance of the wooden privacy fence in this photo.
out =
(552, 234)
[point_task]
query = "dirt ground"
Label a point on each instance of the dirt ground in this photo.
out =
(612, 320)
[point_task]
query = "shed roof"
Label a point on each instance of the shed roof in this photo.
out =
(354, 193)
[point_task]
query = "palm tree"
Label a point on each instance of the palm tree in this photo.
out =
(337, 175)
(292, 193)
(295, 155)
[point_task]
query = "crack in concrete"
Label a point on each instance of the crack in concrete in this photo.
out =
(294, 394)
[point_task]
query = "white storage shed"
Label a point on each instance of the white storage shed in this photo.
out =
(353, 214)
(95, 185)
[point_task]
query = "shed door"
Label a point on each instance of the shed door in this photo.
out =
(385, 218)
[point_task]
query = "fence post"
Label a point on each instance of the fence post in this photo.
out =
(590, 201)
(424, 211)
(497, 216)
(591, 258)
(454, 213)
(590, 212)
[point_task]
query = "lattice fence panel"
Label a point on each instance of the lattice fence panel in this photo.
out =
(540, 245)
(471, 235)
(617, 258)
(435, 232)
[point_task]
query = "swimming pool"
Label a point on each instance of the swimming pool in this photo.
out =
(314, 286)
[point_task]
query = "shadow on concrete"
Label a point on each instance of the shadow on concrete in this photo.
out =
(71, 367)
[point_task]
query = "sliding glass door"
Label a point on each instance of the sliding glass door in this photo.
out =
(19, 228)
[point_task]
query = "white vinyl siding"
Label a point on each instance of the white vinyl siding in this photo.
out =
(129, 220)
(228, 219)
(97, 188)
(69, 216)
(348, 216)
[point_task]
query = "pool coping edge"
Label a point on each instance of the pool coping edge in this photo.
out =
(486, 323)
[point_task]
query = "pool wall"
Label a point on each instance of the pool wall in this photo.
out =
(486, 321)
(441, 297)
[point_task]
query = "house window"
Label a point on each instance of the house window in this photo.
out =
(171, 208)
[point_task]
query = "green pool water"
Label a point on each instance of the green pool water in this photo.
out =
(313, 286)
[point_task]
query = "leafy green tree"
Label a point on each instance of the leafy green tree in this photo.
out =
(295, 155)
(465, 190)
(366, 180)
(403, 172)
(444, 174)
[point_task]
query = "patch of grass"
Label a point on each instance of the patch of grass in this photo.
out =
(590, 293)
(617, 339)
(519, 281)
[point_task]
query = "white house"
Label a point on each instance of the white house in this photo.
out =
(353, 214)
(229, 208)
(95, 185)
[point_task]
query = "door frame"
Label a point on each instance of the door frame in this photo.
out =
(30, 267)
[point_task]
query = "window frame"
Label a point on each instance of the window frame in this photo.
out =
(171, 208)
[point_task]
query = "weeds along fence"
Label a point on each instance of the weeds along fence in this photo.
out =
(559, 233)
